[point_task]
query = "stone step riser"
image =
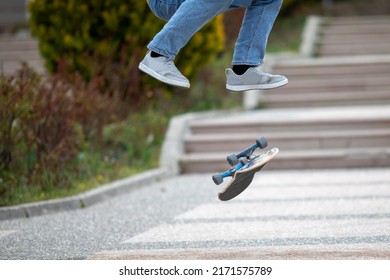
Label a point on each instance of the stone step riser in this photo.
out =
(20, 55)
(334, 72)
(383, 28)
(295, 161)
(310, 99)
(338, 51)
(12, 46)
(264, 127)
(291, 141)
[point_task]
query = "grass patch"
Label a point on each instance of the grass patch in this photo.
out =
(286, 35)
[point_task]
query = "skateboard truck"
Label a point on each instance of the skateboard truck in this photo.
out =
(237, 161)
(233, 159)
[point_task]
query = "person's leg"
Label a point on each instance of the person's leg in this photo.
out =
(250, 49)
(252, 40)
(164, 9)
(188, 18)
(185, 18)
(157, 65)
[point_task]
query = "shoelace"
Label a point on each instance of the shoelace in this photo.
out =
(268, 75)
(171, 66)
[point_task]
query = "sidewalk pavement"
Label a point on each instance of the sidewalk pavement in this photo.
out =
(295, 214)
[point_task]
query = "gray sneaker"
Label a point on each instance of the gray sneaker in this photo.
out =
(164, 70)
(253, 78)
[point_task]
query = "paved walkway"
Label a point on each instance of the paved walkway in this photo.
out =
(318, 214)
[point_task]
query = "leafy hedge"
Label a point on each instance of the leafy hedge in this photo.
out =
(86, 32)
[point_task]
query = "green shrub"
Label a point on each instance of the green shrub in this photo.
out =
(86, 34)
(44, 126)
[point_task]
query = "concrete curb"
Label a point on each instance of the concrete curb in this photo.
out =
(83, 200)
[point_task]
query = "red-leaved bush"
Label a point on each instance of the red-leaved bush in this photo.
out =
(44, 121)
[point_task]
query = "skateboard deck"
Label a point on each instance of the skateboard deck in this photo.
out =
(243, 177)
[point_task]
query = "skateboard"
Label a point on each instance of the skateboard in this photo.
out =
(244, 167)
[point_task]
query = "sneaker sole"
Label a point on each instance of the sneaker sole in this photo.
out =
(252, 87)
(163, 79)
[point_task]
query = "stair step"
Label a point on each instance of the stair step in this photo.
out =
(14, 50)
(341, 83)
(297, 119)
(327, 71)
(355, 49)
(333, 62)
(356, 21)
(20, 55)
(213, 143)
(350, 29)
(10, 67)
(334, 39)
(301, 159)
(347, 98)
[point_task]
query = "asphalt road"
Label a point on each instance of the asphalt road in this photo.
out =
(318, 214)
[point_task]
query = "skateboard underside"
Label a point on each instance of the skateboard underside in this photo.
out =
(244, 177)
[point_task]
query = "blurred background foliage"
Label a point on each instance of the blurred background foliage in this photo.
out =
(96, 118)
(84, 33)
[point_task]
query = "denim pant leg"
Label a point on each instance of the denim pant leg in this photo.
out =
(257, 24)
(185, 17)
(164, 9)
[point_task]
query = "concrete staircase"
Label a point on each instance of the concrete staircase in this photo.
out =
(355, 36)
(332, 81)
(334, 113)
(16, 49)
(329, 137)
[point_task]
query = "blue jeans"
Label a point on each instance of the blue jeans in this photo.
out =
(186, 17)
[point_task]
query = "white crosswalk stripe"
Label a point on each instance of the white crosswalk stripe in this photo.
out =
(270, 230)
(290, 208)
(275, 215)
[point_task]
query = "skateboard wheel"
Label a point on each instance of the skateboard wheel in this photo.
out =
(261, 142)
(217, 178)
(232, 159)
